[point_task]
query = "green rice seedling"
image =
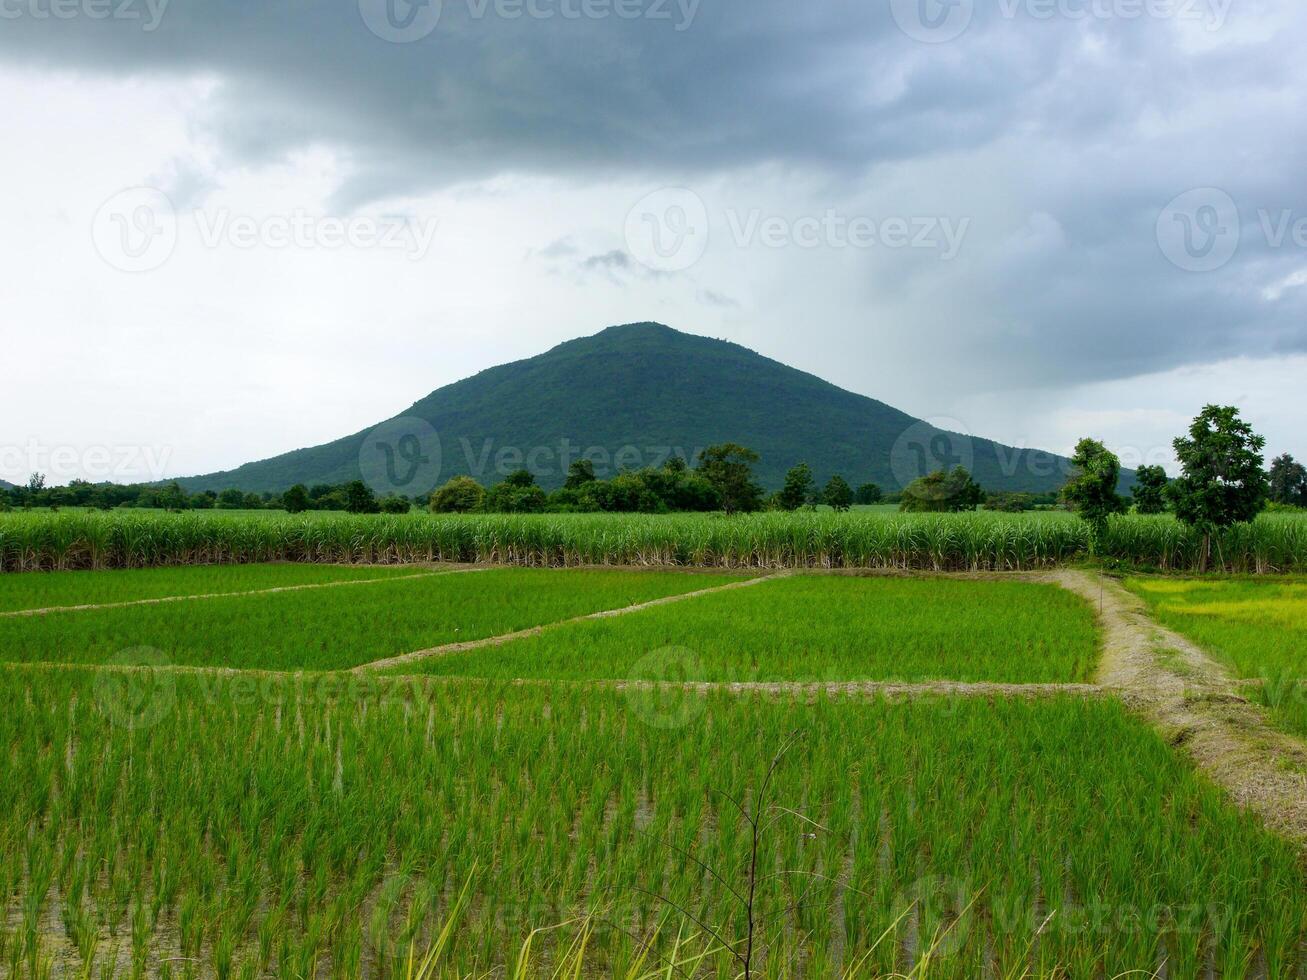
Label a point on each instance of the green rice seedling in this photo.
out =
(332, 629)
(1256, 627)
(63, 589)
(816, 628)
(1046, 837)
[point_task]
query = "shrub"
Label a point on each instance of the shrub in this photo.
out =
(461, 495)
(944, 491)
(395, 504)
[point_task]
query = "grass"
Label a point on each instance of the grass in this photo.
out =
(817, 628)
(333, 629)
(1257, 628)
(287, 829)
(56, 589)
(124, 539)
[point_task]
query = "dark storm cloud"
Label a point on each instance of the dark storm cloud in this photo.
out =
(708, 85)
(1088, 125)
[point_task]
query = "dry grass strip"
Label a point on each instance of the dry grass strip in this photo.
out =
(812, 690)
(1196, 706)
(229, 595)
(493, 641)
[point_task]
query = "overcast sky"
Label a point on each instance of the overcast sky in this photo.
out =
(230, 229)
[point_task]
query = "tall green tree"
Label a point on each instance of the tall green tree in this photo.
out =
(837, 495)
(798, 488)
(231, 499)
(172, 497)
(395, 504)
(1288, 481)
(868, 493)
(517, 493)
(1223, 482)
(296, 499)
(942, 492)
(729, 468)
(460, 495)
(359, 498)
(1149, 491)
(521, 479)
(1091, 491)
(579, 473)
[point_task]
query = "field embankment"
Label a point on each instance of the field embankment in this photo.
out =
(963, 542)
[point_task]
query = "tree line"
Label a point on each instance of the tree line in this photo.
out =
(1222, 482)
(354, 497)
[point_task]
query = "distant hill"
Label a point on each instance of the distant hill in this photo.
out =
(6, 486)
(655, 390)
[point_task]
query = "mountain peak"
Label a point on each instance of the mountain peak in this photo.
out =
(635, 393)
(650, 327)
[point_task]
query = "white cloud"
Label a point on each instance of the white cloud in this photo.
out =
(1048, 148)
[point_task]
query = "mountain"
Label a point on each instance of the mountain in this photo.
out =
(6, 486)
(655, 390)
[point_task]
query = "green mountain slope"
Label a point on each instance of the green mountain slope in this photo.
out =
(637, 392)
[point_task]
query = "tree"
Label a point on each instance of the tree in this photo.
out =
(798, 489)
(1288, 482)
(581, 472)
(520, 479)
(231, 499)
(395, 504)
(172, 497)
(461, 495)
(868, 493)
(944, 491)
(1091, 491)
(1009, 502)
(1149, 491)
(838, 495)
(359, 498)
(28, 495)
(296, 499)
(516, 494)
(1223, 482)
(728, 468)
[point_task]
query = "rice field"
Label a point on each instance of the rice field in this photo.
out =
(333, 629)
(1257, 628)
(62, 589)
(816, 628)
(958, 542)
(990, 837)
(286, 818)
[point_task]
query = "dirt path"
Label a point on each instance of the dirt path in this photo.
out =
(1196, 706)
(494, 641)
(229, 595)
(890, 690)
